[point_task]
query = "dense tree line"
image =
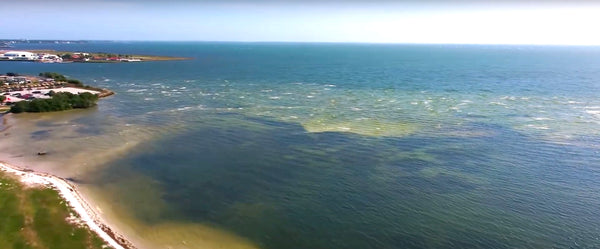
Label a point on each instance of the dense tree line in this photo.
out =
(60, 77)
(55, 76)
(58, 102)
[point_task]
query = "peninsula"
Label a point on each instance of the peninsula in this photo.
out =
(41, 210)
(53, 56)
(45, 93)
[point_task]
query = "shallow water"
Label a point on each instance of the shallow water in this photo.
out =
(333, 145)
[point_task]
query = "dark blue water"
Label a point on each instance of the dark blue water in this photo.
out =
(358, 145)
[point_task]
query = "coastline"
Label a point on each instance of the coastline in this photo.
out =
(75, 200)
(105, 58)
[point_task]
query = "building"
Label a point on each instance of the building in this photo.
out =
(19, 55)
(50, 58)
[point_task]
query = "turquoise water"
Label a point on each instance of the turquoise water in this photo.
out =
(355, 145)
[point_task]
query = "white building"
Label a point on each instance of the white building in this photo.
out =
(50, 58)
(19, 55)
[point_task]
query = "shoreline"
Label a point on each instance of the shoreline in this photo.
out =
(95, 57)
(75, 200)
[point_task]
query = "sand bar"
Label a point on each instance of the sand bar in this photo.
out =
(75, 200)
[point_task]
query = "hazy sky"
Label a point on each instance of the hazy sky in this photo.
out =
(429, 21)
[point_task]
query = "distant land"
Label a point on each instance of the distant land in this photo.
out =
(21, 41)
(53, 56)
(9, 53)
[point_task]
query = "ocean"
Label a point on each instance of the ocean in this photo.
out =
(310, 145)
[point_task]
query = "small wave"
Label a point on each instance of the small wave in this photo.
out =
(593, 112)
(182, 109)
(275, 97)
(136, 90)
(539, 127)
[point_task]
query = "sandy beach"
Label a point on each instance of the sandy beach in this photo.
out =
(75, 200)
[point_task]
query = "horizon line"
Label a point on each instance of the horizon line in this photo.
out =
(306, 42)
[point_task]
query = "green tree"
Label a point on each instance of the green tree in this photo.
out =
(58, 102)
(52, 75)
(19, 107)
(75, 82)
(67, 56)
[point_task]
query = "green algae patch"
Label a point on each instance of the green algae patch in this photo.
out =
(40, 218)
(433, 172)
(366, 127)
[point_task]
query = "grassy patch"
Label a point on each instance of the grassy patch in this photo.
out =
(37, 218)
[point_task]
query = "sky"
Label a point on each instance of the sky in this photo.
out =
(548, 22)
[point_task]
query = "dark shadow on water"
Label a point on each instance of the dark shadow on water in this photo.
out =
(282, 187)
(40, 135)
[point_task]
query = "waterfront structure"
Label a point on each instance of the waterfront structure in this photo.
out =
(19, 55)
(16, 79)
(49, 58)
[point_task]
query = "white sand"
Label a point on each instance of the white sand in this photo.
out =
(73, 197)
